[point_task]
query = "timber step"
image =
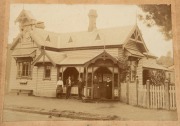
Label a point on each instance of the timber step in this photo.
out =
(84, 99)
(22, 92)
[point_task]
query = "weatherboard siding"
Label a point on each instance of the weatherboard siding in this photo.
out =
(15, 83)
(132, 45)
(46, 88)
(120, 53)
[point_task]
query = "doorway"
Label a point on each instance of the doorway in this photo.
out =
(73, 73)
(102, 88)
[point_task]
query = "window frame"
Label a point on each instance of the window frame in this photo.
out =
(24, 68)
(44, 73)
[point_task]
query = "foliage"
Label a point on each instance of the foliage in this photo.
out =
(157, 77)
(159, 15)
(166, 60)
(125, 68)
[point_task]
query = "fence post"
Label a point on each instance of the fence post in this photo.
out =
(148, 93)
(167, 103)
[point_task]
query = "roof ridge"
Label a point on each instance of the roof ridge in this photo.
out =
(106, 28)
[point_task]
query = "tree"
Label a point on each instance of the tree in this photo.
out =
(159, 15)
(166, 60)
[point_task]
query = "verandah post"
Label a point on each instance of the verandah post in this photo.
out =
(113, 84)
(119, 85)
(148, 93)
(127, 92)
(86, 82)
(92, 87)
(137, 82)
(167, 100)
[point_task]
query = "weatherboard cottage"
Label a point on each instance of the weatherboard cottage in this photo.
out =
(40, 57)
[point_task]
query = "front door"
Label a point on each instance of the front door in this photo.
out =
(102, 88)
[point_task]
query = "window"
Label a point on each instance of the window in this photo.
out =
(47, 72)
(24, 69)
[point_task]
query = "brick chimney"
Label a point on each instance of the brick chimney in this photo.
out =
(92, 20)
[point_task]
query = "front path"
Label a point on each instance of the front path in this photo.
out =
(106, 108)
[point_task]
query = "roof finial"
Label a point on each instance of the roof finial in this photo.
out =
(104, 43)
(23, 6)
(104, 47)
(136, 17)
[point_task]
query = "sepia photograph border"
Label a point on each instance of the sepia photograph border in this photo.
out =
(4, 30)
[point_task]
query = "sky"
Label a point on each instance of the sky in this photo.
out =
(62, 18)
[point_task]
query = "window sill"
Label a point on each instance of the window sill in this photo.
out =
(132, 81)
(28, 78)
(46, 78)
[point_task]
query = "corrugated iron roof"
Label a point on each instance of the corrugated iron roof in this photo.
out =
(23, 52)
(153, 65)
(108, 36)
(72, 58)
(75, 60)
(149, 54)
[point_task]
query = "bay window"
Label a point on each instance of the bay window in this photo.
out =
(23, 69)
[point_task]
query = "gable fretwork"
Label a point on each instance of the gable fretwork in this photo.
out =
(136, 36)
(136, 41)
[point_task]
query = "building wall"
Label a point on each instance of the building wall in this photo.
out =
(8, 68)
(46, 88)
(140, 80)
(14, 82)
(132, 45)
(132, 94)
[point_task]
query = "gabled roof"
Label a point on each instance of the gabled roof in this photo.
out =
(135, 53)
(51, 56)
(15, 41)
(142, 43)
(25, 14)
(109, 36)
(40, 36)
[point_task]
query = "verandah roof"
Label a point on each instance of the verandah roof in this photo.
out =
(23, 53)
(152, 65)
(60, 58)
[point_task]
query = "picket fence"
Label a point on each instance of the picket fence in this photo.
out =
(158, 97)
(172, 97)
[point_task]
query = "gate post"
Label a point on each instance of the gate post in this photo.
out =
(167, 104)
(148, 93)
